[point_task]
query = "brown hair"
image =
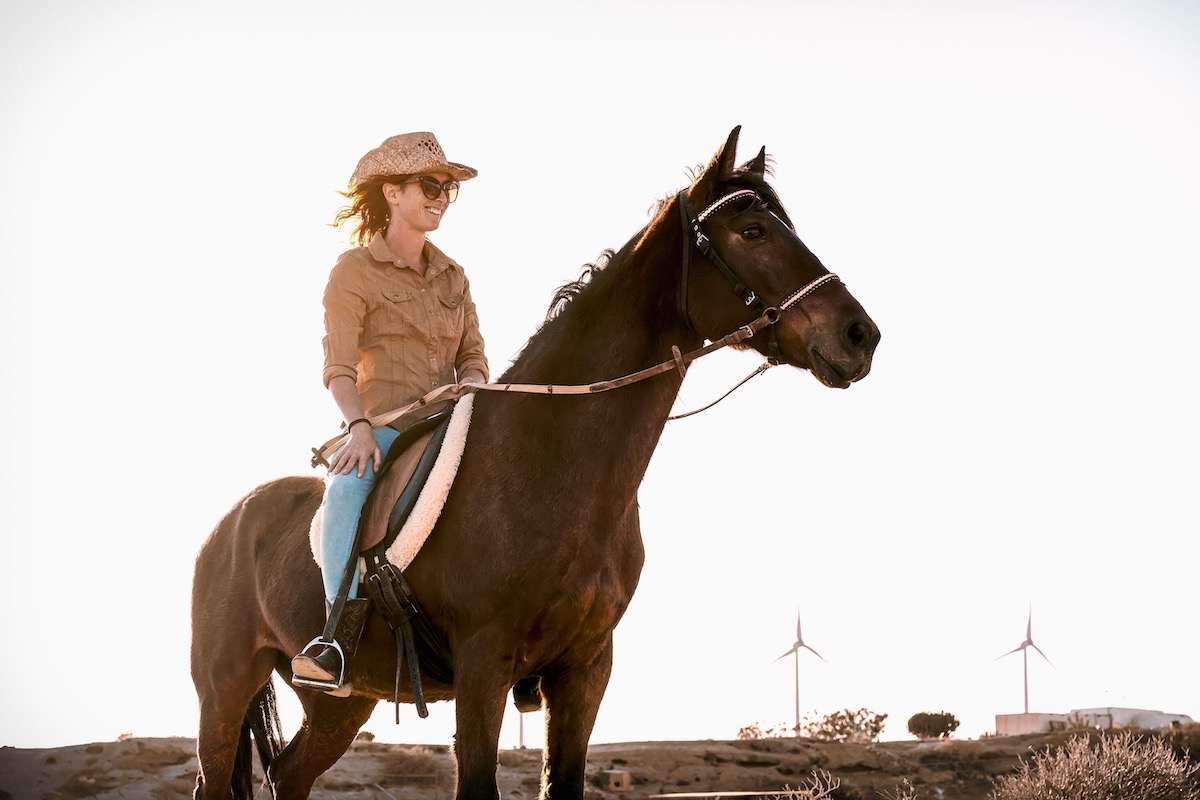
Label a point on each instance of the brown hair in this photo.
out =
(369, 206)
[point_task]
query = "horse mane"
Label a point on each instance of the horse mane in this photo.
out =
(567, 292)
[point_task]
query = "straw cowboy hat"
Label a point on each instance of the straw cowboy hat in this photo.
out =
(409, 154)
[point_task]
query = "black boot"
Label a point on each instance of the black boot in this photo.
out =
(322, 664)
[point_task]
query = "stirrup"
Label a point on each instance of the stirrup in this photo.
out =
(329, 687)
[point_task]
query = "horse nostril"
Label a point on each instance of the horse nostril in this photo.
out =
(860, 335)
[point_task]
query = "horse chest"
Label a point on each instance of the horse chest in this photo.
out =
(582, 598)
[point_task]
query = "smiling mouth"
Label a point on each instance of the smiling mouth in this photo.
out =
(437, 212)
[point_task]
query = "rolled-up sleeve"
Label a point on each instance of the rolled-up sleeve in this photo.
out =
(345, 308)
(470, 354)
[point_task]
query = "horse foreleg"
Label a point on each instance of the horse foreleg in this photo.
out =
(480, 689)
(329, 727)
(572, 701)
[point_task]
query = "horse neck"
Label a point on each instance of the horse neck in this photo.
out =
(624, 321)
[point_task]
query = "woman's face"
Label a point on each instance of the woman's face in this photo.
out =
(412, 208)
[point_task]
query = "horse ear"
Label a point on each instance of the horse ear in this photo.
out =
(725, 157)
(720, 169)
(759, 165)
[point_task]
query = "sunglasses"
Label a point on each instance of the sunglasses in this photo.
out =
(433, 190)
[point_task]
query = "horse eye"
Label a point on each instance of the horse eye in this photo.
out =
(753, 232)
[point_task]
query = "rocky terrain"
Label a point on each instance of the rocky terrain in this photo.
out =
(158, 769)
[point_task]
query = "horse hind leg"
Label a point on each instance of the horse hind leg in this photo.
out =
(329, 727)
(233, 693)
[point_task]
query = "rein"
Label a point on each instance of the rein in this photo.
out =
(767, 317)
(453, 391)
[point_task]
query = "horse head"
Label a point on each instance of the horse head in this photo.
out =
(742, 258)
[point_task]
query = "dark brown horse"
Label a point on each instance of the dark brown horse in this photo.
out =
(538, 551)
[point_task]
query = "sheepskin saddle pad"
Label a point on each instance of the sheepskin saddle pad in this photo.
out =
(413, 484)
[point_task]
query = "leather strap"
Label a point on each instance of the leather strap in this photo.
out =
(453, 391)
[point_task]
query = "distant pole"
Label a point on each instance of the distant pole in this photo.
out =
(797, 691)
(1025, 658)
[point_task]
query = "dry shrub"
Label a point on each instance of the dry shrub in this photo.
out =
(821, 786)
(1184, 740)
(904, 791)
(85, 784)
(1119, 766)
(412, 761)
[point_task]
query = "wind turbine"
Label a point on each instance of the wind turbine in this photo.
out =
(1024, 648)
(795, 651)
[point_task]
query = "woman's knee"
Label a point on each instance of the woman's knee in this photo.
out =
(347, 490)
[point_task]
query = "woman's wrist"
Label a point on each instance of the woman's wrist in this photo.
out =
(352, 423)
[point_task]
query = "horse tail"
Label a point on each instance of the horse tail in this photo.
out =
(261, 720)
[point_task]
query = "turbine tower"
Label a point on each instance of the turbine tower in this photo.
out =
(1024, 648)
(795, 651)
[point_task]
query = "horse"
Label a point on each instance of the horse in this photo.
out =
(538, 550)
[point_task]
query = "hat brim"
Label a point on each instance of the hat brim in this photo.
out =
(459, 172)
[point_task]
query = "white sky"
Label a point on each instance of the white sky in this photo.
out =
(1010, 188)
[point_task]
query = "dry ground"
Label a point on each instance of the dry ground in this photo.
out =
(158, 769)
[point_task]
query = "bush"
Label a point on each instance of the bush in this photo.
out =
(1115, 767)
(845, 726)
(822, 786)
(932, 726)
(1184, 740)
(755, 730)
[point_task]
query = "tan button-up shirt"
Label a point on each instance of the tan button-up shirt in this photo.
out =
(395, 333)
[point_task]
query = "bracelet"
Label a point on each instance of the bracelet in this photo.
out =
(355, 422)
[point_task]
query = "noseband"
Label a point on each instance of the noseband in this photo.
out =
(692, 226)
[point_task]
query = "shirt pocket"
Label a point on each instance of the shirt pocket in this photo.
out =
(452, 310)
(396, 313)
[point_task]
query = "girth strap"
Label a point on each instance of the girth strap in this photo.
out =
(393, 597)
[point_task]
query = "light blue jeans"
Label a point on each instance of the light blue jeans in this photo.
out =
(345, 496)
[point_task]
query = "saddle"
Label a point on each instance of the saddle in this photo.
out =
(399, 514)
(402, 476)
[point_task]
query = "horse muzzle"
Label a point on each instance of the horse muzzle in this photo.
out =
(840, 355)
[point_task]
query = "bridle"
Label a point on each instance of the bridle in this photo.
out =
(767, 317)
(692, 227)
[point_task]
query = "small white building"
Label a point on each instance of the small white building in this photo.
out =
(1107, 718)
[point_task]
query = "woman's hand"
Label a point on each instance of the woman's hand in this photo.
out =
(467, 377)
(361, 450)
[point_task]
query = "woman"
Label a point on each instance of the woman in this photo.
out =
(399, 321)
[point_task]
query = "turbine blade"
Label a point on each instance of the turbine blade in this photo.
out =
(785, 655)
(814, 652)
(799, 638)
(1010, 652)
(1029, 625)
(1043, 655)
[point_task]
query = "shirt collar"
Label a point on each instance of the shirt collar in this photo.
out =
(438, 261)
